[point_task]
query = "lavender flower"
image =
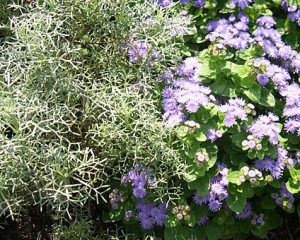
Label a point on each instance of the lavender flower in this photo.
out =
(241, 3)
(212, 134)
(140, 178)
(217, 192)
(201, 221)
(151, 214)
(184, 92)
(234, 109)
(137, 51)
(230, 32)
(266, 126)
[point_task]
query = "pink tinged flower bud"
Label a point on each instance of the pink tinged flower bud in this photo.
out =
(179, 216)
(251, 144)
(252, 173)
(200, 157)
(219, 134)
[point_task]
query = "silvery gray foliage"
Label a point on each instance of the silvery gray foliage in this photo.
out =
(74, 112)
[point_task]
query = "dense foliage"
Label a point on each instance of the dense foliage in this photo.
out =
(179, 118)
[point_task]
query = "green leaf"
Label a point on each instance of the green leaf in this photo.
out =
(200, 136)
(266, 98)
(176, 233)
(295, 174)
(293, 186)
(112, 216)
(171, 221)
(201, 185)
(251, 154)
(254, 93)
(293, 2)
(234, 177)
(238, 138)
(223, 87)
(213, 230)
(298, 210)
(236, 202)
(268, 202)
(197, 233)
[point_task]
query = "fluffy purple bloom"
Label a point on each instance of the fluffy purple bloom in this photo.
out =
(266, 126)
(164, 3)
(151, 214)
(266, 21)
(184, 2)
(183, 92)
(232, 32)
(137, 51)
(212, 134)
(275, 167)
(262, 79)
(199, 3)
(140, 178)
(241, 3)
(234, 109)
(139, 192)
(217, 191)
(201, 221)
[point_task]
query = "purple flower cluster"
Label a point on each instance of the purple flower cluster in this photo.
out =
(151, 214)
(217, 191)
(197, 3)
(234, 109)
(137, 51)
(115, 198)
(164, 3)
(266, 126)
(270, 39)
(213, 134)
(284, 198)
(183, 91)
(267, 71)
(230, 32)
(294, 11)
(292, 108)
(275, 167)
(140, 177)
(241, 3)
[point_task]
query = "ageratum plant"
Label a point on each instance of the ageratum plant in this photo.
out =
(234, 104)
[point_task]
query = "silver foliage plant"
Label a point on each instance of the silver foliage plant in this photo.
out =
(74, 112)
